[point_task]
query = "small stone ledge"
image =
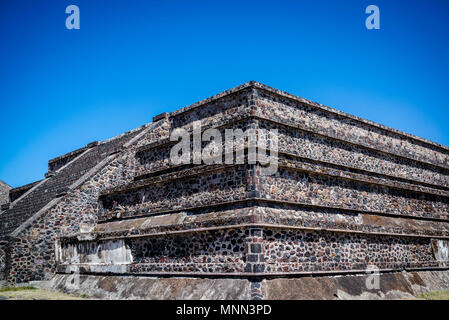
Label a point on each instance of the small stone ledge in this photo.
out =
(161, 116)
(92, 144)
(49, 174)
(160, 269)
(61, 192)
(330, 166)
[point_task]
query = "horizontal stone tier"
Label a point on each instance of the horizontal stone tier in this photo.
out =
(251, 249)
(301, 183)
(285, 160)
(256, 94)
(338, 171)
(193, 171)
(358, 174)
(219, 220)
(156, 156)
(315, 147)
(282, 204)
(308, 164)
(237, 270)
(299, 218)
(127, 270)
(324, 167)
(282, 107)
(318, 147)
(300, 186)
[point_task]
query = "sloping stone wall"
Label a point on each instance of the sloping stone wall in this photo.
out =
(33, 253)
(56, 186)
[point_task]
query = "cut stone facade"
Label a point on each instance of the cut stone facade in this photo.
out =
(348, 194)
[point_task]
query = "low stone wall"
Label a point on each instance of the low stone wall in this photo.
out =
(144, 288)
(399, 285)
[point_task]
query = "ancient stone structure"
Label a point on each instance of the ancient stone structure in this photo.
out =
(4, 192)
(348, 194)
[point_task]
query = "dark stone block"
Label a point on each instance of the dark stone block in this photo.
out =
(259, 267)
(253, 258)
(256, 248)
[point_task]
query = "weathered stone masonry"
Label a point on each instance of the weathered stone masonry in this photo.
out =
(4, 193)
(348, 193)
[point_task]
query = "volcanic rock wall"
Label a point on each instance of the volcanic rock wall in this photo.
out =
(348, 194)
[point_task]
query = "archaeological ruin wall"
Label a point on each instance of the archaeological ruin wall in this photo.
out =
(347, 194)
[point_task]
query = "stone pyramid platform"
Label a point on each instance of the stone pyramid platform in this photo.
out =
(348, 195)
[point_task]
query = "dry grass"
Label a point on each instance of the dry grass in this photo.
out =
(436, 295)
(12, 289)
(31, 293)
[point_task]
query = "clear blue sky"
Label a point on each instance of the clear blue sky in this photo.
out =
(61, 89)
